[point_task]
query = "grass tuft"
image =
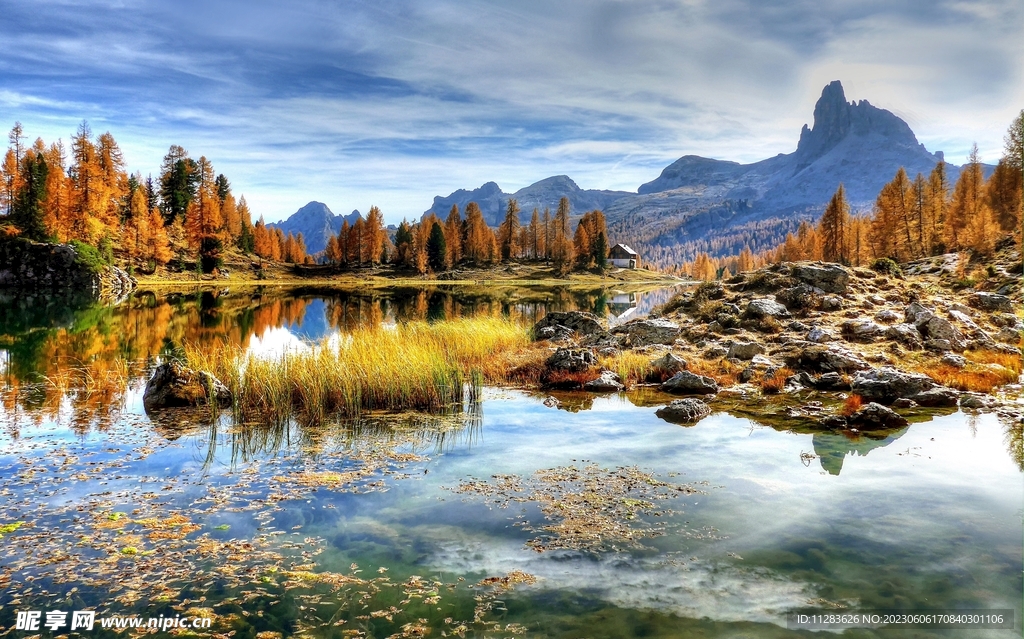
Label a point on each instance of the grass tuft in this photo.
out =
(985, 371)
(417, 366)
(852, 404)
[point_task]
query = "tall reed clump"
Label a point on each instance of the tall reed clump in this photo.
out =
(416, 366)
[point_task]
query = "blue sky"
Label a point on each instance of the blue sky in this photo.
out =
(391, 102)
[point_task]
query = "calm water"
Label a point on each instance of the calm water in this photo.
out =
(391, 526)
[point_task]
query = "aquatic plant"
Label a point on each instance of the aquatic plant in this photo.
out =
(417, 366)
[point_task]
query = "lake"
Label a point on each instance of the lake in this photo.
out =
(517, 514)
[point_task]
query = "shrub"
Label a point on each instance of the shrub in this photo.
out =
(886, 266)
(88, 257)
(852, 404)
(774, 383)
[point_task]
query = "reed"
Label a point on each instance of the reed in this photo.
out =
(417, 366)
(631, 367)
(985, 371)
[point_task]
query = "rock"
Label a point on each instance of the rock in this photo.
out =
(819, 335)
(830, 278)
(875, 417)
(903, 402)
(762, 307)
(862, 330)
(643, 332)
(552, 402)
(906, 334)
(886, 385)
(574, 360)
(915, 313)
(796, 326)
(554, 333)
(745, 350)
(831, 358)
(977, 400)
(668, 364)
(685, 382)
(939, 396)
(684, 411)
(936, 329)
(887, 316)
(831, 303)
(990, 302)
(798, 297)
(608, 382)
(1008, 335)
(716, 352)
(581, 323)
(824, 382)
(176, 385)
(956, 361)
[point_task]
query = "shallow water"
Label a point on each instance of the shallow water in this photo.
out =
(127, 513)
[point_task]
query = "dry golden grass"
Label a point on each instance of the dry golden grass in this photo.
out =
(985, 371)
(631, 367)
(722, 370)
(773, 384)
(852, 404)
(416, 366)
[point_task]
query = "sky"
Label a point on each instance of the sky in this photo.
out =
(391, 102)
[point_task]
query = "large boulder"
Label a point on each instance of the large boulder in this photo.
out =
(687, 383)
(573, 360)
(175, 385)
(830, 278)
(886, 385)
(990, 302)
(906, 334)
(762, 307)
(668, 364)
(939, 332)
(644, 332)
(581, 323)
(828, 359)
(684, 411)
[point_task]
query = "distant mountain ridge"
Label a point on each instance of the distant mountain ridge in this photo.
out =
(540, 195)
(718, 206)
(317, 223)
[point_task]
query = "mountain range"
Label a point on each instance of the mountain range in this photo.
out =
(317, 223)
(718, 206)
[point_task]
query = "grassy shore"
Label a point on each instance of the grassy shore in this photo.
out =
(415, 366)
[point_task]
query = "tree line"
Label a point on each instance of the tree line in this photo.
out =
(911, 219)
(188, 212)
(433, 245)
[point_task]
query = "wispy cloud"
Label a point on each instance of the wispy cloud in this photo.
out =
(390, 102)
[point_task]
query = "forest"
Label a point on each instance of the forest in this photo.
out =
(188, 217)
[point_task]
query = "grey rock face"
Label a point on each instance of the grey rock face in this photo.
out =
(574, 360)
(990, 302)
(175, 385)
(584, 324)
(764, 307)
(906, 334)
(687, 383)
(820, 335)
(886, 385)
(745, 350)
(668, 364)
(887, 316)
(608, 382)
(830, 278)
(956, 361)
(684, 411)
(645, 332)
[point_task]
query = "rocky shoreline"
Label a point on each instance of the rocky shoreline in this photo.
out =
(40, 268)
(873, 337)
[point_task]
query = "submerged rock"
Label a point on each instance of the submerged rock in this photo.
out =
(176, 385)
(685, 382)
(684, 411)
(874, 416)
